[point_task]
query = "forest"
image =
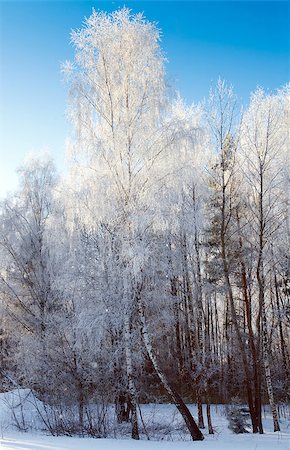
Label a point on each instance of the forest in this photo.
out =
(156, 268)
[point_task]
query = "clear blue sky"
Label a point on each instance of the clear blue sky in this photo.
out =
(245, 42)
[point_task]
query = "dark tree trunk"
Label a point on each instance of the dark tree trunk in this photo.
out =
(208, 415)
(199, 412)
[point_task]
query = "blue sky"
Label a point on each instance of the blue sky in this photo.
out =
(245, 42)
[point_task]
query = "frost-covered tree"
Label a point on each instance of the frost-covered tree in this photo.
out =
(263, 145)
(223, 239)
(123, 137)
(26, 281)
(160, 263)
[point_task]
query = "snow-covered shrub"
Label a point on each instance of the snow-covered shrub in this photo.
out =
(238, 417)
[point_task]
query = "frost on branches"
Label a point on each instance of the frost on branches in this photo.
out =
(158, 268)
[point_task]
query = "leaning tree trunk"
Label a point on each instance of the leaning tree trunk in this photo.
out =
(195, 432)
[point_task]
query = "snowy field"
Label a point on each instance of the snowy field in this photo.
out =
(25, 442)
(159, 419)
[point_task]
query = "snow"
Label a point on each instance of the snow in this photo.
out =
(157, 417)
(269, 441)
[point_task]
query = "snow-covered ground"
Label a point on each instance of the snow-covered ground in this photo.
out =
(159, 419)
(33, 442)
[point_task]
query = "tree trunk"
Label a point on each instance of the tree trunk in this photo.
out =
(174, 396)
(81, 407)
(123, 407)
(254, 406)
(199, 412)
(174, 293)
(226, 273)
(261, 284)
(282, 339)
(131, 383)
(208, 415)
(268, 372)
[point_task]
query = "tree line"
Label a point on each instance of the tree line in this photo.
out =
(158, 267)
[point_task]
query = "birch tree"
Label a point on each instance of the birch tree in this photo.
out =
(26, 280)
(122, 138)
(263, 141)
(225, 185)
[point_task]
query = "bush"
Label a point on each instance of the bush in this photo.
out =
(238, 417)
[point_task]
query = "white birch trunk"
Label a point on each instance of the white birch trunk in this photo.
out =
(182, 408)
